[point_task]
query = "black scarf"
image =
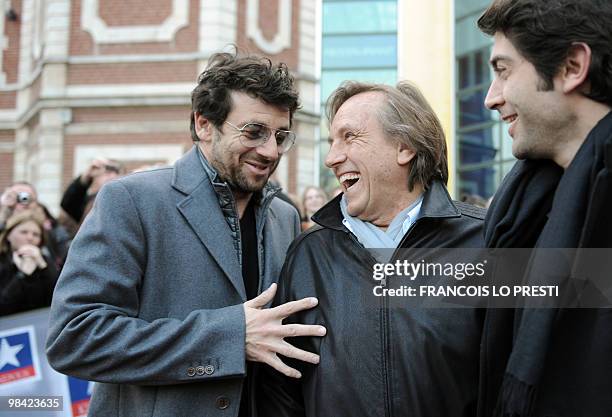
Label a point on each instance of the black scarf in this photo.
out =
(551, 361)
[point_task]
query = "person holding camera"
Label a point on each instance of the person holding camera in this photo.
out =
(27, 273)
(14, 199)
(22, 196)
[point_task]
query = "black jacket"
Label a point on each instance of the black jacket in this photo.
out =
(376, 359)
(75, 199)
(555, 361)
(20, 292)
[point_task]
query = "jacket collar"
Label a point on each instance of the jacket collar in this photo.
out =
(188, 172)
(437, 203)
(200, 208)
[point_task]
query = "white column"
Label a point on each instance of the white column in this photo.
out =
(47, 164)
(218, 26)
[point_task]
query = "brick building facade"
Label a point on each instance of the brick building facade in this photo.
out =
(112, 78)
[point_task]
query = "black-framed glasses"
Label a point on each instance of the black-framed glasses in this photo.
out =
(253, 135)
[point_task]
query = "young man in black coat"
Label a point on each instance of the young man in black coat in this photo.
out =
(553, 86)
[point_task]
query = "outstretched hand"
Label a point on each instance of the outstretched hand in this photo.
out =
(265, 332)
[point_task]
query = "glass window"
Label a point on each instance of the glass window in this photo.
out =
(471, 108)
(505, 141)
(364, 17)
(468, 37)
(506, 167)
(473, 69)
(330, 80)
(463, 70)
(484, 150)
(481, 182)
(359, 43)
(364, 51)
(467, 7)
(477, 147)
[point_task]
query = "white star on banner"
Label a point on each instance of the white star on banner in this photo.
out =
(8, 354)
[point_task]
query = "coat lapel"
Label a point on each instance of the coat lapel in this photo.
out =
(201, 210)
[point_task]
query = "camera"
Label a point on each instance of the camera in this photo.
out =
(24, 197)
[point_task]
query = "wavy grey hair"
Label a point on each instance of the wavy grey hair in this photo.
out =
(405, 117)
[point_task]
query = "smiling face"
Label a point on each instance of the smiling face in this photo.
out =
(537, 119)
(371, 168)
(246, 170)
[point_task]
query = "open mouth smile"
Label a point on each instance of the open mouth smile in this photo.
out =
(348, 180)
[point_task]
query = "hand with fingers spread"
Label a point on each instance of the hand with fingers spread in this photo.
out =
(265, 332)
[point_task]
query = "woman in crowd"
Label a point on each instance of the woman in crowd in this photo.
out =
(313, 199)
(27, 274)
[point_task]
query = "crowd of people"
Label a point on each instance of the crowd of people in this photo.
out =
(34, 244)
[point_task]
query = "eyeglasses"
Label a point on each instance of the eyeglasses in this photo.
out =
(253, 135)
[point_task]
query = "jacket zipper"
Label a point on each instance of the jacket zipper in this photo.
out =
(384, 324)
(386, 332)
(383, 321)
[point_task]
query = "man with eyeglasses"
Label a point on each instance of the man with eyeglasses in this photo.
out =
(152, 303)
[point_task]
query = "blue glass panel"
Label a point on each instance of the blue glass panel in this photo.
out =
(364, 51)
(472, 109)
(473, 69)
(481, 68)
(330, 80)
(477, 147)
(481, 182)
(359, 17)
(467, 7)
(463, 70)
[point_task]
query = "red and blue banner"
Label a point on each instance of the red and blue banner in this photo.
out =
(24, 370)
(80, 393)
(18, 356)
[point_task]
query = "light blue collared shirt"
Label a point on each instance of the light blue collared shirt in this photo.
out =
(371, 236)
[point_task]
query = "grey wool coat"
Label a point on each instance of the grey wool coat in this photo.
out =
(149, 304)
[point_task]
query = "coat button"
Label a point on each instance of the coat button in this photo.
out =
(209, 370)
(191, 371)
(200, 370)
(223, 403)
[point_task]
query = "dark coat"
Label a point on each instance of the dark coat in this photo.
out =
(553, 362)
(20, 292)
(377, 359)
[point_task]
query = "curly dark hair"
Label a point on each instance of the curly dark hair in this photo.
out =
(543, 31)
(253, 75)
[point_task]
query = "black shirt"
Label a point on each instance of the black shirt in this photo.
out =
(250, 275)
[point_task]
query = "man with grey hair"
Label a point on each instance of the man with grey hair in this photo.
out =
(387, 150)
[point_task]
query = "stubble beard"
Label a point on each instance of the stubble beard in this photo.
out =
(542, 140)
(234, 175)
